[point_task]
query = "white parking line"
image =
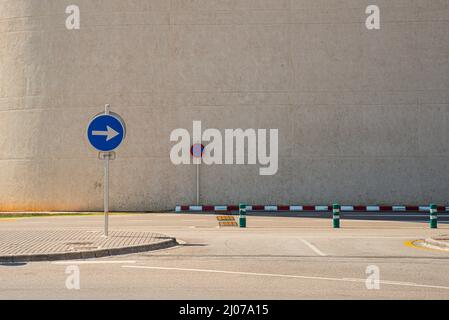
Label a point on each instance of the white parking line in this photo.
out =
(152, 220)
(358, 237)
(34, 222)
(393, 283)
(315, 249)
(70, 262)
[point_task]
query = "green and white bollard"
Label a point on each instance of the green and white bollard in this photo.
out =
(433, 216)
(336, 216)
(242, 219)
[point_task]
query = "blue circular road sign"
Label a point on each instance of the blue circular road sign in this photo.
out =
(106, 132)
(197, 150)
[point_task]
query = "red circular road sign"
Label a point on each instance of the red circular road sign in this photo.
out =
(197, 150)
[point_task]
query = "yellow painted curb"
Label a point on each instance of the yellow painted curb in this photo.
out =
(8, 219)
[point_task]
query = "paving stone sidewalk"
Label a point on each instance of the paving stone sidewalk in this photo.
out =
(46, 245)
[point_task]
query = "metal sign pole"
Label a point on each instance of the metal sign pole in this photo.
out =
(197, 155)
(106, 195)
(105, 132)
(198, 184)
(106, 185)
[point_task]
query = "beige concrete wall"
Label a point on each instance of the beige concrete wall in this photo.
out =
(362, 115)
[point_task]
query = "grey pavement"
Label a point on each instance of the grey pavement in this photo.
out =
(274, 258)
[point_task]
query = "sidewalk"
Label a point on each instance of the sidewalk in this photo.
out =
(46, 245)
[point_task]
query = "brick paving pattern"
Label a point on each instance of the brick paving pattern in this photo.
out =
(32, 245)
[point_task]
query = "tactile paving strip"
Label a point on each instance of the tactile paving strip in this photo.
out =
(227, 221)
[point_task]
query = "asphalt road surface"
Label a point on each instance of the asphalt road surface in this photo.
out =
(276, 257)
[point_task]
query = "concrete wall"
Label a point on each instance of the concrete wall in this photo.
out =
(362, 115)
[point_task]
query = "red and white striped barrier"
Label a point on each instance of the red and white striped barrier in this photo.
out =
(299, 208)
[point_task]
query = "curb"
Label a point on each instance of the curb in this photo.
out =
(89, 254)
(11, 215)
(311, 208)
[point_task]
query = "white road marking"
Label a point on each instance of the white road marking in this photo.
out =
(426, 245)
(70, 262)
(168, 227)
(150, 220)
(34, 222)
(358, 237)
(314, 248)
(393, 283)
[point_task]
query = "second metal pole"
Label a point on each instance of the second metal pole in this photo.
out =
(106, 186)
(198, 184)
(106, 196)
(242, 212)
(336, 216)
(433, 216)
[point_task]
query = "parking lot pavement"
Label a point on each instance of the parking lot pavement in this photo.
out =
(274, 258)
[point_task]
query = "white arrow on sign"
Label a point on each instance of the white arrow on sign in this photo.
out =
(109, 133)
